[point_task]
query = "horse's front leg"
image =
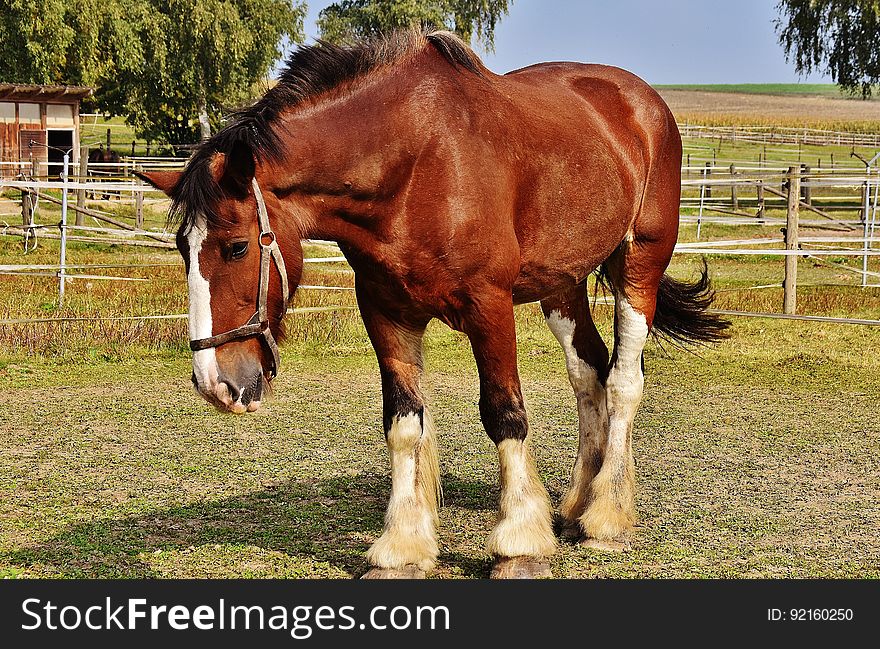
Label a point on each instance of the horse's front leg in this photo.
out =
(523, 537)
(407, 547)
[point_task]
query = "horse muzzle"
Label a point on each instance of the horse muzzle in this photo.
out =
(237, 395)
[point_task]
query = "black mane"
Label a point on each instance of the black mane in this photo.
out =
(310, 71)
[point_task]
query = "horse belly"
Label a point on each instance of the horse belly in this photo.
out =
(571, 225)
(547, 269)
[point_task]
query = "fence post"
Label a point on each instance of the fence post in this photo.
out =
(806, 190)
(62, 263)
(707, 174)
(83, 174)
(702, 200)
(26, 207)
(866, 207)
(138, 207)
(760, 186)
(108, 138)
(734, 195)
(789, 304)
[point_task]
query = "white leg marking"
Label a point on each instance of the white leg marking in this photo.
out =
(523, 527)
(592, 418)
(410, 521)
(625, 380)
(612, 512)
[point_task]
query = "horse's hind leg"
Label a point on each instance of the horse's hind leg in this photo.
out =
(586, 359)
(635, 270)
(407, 547)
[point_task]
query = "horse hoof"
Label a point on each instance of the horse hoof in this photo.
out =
(409, 571)
(520, 568)
(605, 546)
(570, 532)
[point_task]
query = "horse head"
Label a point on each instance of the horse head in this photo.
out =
(243, 263)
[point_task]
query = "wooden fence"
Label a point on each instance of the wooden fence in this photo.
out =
(780, 135)
(845, 203)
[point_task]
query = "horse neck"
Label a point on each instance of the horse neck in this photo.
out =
(351, 157)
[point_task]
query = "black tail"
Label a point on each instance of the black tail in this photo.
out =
(682, 315)
(682, 311)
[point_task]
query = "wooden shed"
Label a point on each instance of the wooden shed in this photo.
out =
(46, 115)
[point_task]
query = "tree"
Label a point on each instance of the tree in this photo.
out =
(839, 37)
(36, 37)
(357, 18)
(194, 58)
(170, 67)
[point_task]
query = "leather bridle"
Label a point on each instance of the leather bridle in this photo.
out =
(258, 325)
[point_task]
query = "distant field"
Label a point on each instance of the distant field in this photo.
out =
(93, 132)
(741, 105)
(803, 89)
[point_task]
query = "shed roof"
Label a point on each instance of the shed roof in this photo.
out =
(31, 92)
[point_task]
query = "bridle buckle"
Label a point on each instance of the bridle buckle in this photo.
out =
(267, 238)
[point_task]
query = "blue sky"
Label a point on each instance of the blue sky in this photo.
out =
(663, 41)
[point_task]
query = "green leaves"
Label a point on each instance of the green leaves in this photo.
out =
(34, 40)
(349, 19)
(158, 63)
(167, 65)
(838, 37)
(199, 56)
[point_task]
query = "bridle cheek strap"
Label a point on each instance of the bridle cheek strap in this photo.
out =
(258, 325)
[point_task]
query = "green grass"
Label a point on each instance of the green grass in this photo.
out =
(754, 154)
(757, 458)
(93, 132)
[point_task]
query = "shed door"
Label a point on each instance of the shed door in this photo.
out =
(38, 151)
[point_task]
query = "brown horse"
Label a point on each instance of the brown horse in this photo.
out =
(99, 157)
(454, 194)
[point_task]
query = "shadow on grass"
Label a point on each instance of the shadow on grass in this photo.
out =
(331, 520)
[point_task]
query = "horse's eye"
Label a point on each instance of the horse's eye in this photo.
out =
(238, 249)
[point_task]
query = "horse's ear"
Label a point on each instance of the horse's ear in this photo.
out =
(165, 181)
(235, 170)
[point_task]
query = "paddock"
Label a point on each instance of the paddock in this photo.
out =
(759, 457)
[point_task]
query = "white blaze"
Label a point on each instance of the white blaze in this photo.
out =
(200, 321)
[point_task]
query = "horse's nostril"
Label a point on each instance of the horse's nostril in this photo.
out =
(253, 390)
(234, 392)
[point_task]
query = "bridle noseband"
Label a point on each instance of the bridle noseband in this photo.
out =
(258, 325)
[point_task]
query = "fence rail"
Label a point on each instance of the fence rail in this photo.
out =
(780, 135)
(726, 194)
